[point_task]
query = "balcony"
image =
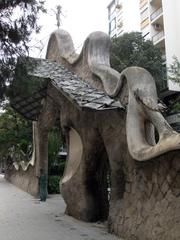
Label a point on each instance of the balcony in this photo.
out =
(120, 25)
(143, 3)
(156, 13)
(144, 23)
(119, 6)
(155, 2)
(157, 37)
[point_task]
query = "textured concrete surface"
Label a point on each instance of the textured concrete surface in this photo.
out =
(24, 217)
(150, 207)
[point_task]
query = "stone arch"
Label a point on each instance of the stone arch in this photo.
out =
(84, 184)
(75, 150)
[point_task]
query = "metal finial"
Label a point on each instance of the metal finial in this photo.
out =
(58, 15)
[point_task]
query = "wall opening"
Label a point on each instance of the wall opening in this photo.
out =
(56, 159)
(98, 181)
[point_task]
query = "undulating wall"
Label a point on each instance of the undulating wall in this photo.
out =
(25, 180)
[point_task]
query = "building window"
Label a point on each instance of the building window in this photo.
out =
(119, 14)
(112, 9)
(111, 12)
(146, 31)
(119, 6)
(144, 23)
(112, 25)
(120, 24)
(120, 32)
(147, 36)
(143, 3)
(144, 14)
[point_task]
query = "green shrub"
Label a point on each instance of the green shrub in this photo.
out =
(175, 108)
(54, 144)
(61, 167)
(58, 169)
(53, 184)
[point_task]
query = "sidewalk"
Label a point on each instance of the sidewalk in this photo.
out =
(24, 218)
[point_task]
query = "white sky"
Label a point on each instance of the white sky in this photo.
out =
(81, 18)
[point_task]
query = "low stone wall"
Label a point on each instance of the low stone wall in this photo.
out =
(150, 207)
(25, 180)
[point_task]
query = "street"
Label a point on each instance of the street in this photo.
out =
(23, 217)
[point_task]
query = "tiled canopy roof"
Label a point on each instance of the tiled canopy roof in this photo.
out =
(70, 85)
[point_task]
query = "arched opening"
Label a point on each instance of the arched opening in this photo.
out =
(56, 159)
(151, 133)
(75, 149)
(84, 185)
(98, 182)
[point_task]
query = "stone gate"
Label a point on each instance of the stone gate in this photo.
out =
(109, 120)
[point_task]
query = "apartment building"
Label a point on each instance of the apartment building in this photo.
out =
(160, 22)
(123, 16)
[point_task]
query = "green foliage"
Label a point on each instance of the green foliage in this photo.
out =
(24, 84)
(174, 107)
(53, 184)
(131, 49)
(174, 70)
(62, 167)
(54, 144)
(57, 168)
(55, 165)
(15, 131)
(19, 19)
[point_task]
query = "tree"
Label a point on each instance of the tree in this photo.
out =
(18, 20)
(55, 166)
(131, 49)
(173, 100)
(15, 132)
(174, 70)
(54, 144)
